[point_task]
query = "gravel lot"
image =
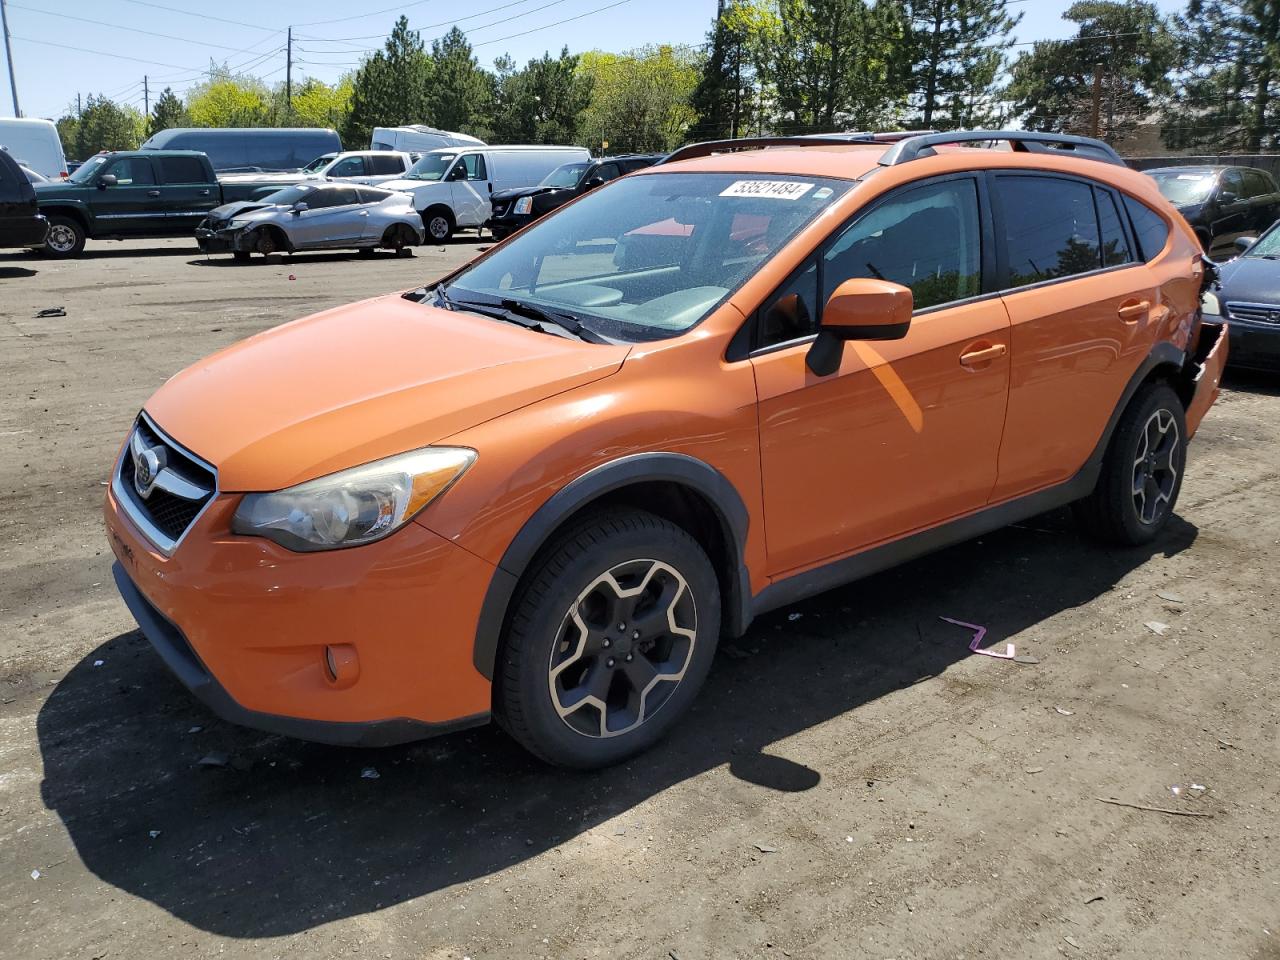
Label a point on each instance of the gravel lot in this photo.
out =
(852, 783)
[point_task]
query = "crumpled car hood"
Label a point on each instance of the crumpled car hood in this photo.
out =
(359, 383)
(241, 208)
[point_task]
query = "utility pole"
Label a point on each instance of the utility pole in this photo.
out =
(79, 108)
(146, 97)
(288, 74)
(1097, 100)
(8, 52)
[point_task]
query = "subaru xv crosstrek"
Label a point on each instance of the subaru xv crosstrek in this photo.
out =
(541, 488)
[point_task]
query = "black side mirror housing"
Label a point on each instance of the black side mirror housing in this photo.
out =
(593, 183)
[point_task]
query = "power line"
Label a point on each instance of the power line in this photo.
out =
(361, 16)
(202, 16)
(116, 26)
(525, 33)
(100, 53)
(443, 23)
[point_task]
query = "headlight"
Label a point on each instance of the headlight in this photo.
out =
(1209, 304)
(238, 224)
(523, 205)
(355, 506)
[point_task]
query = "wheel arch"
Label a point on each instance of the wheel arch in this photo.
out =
(282, 237)
(443, 208)
(677, 487)
(71, 211)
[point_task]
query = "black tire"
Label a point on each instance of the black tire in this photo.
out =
(266, 242)
(365, 252)
(242, 256)
(1142, 471)
(548, 661)
(438, 222)
(65, 239)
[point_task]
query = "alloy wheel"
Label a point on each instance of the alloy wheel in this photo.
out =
(1155, 471)
(622, 648)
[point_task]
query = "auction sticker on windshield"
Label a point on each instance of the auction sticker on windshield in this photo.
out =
(773, 189)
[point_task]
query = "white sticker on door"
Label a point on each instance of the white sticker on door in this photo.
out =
(772, 189)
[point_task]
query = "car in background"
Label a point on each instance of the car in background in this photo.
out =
(31, 175)
(250, 149)
(512, 209)
(1248, 297)
(451, 186)
(352, 166)
(1221, 203)
(35, 143)
(419, 138)
(313, 216)
(21, 224)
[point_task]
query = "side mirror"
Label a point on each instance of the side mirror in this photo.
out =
(300, 207)
(593, 183)
(1226, 196)
(107, 180)
(458, 173)
(859, 309)
(1244, 243)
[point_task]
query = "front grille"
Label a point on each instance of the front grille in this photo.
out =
(1255, 312)
(500, 209)
(181, 489)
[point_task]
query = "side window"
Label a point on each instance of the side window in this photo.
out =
(474, 163)
(372, 196)
(792, 311)
(349, 167)
(607, 171)
(132, 172)
(1115, 245)
(1051, 228)
(182, 170)
(1257, 184)
(1149, 227)
(1231, 186)
(927, 238)
(383, 165)
(342, 196)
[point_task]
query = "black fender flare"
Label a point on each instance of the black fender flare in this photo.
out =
(678, 468)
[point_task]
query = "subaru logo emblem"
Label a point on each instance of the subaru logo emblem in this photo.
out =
(147, 464)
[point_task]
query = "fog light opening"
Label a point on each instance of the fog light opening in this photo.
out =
(341, 665)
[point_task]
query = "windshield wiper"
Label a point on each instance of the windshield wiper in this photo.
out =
(566, 321)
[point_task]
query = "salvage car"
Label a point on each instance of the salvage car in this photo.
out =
(1249, 297)
(313, 216)
(542, 487)
(513, 209)
(1221, 203)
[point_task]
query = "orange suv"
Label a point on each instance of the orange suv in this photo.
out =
(543, 487)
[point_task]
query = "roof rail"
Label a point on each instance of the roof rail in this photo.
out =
(706, 149)
(1025, 141)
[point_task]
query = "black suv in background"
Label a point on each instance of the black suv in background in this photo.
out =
(21, 224)
(512, 209)
(1221, 203)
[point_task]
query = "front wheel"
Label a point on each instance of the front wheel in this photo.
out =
(611, 637)
(439, 225)
(66, 237)
(1142, 472)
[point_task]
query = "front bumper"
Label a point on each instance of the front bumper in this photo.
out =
(1255, 345)
(244, 624)
(221, 241)
(1204, 372)
(509, 223)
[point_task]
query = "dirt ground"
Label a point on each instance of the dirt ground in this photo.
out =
(851, 784)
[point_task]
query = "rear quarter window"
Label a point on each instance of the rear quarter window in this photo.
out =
(1149, 227)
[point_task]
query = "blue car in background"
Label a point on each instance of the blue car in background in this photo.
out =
(1249, 299)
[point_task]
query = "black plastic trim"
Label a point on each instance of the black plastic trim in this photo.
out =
(637, 468)
(1026, 141)
(178, 655)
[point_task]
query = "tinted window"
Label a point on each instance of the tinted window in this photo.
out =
(607, 171)
(629, 166)
(1149, 227)
(372, 196)
(1051, 229)
(336, 197)
(182, 170)
(927, 238)
(792, 311)
(386, 165)
(348, 167)
(1257, 183)
(132, 171)
(1115, 245)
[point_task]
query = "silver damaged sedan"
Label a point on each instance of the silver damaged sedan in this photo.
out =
(313, 216)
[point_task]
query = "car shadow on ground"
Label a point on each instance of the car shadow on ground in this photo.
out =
(1265, 382)
(13, 273)
(278, 259)
(288, 835)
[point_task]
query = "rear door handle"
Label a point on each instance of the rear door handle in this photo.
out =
(1134, 310)
(153, 193)
(975, 357)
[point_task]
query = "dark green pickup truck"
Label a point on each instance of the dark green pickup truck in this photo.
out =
(129, 195)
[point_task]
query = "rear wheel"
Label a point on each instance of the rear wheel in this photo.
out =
(610, 639)
(66, 237)
(1142, 473)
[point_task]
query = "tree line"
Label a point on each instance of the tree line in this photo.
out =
(1205, 78)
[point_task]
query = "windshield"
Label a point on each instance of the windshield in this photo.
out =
(648, 257)
(289, 195)
(432, 166)
(87, 170)
(319, 163)
(1188, 186)
(565, 176)
(1267, 245)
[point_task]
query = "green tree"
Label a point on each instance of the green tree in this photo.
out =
(1228, 96)
(1052, 84)
(640, 100)
(105, 125)
(841, 64)
(317, 104)
(230, 101)
(169, 111)
(959, 49)
(541, 103)
(393, 87)
(461, 90)
(731, 92)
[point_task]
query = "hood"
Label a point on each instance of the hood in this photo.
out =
(1250, 280)
(239, 208)
(286, 178)
(408, 186)
(359, 383)
(515, 193)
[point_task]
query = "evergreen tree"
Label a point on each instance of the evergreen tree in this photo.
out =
(1230, 100)
(461, 91)
(106, 125)
(730, 92)
(959, 50)
(391, 88)
(168, 112)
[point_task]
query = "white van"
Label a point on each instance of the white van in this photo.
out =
(418, 138)
(34, 143)
(451, 186)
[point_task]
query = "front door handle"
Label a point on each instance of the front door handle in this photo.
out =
(974, 357)
(1133, 310)
(153, 193)
(204, 193)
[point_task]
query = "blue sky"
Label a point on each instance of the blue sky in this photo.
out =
(328, 37)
